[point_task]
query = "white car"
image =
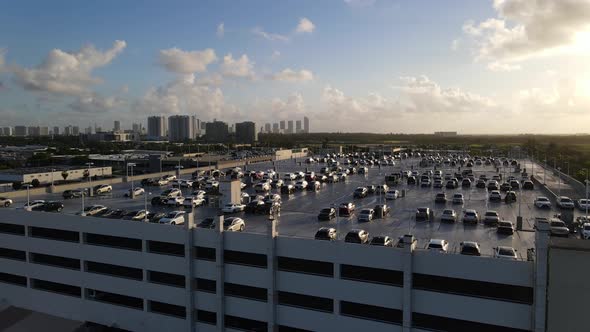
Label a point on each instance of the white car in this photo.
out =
(301, 185)
(448, 215)
(166, 194)
(564, 202)
(586, 231)
(583, 204)
(162, 182)
(169, 177)
(289, 177)
(242, 185)
(173, 218)
(33, 204)
(194, 201)
(175, 201)
(211, 185)
(199, 193)
(103, 189)
(136, 192)
(186, 183)
(505, 253)
(438, 245)
(381, 189)
(94, 210)
(5, 202)
(392, 194)
(458, 198)
(233, 208)
(558, 228)
(262, 187)
(234, 224)
(542, 202)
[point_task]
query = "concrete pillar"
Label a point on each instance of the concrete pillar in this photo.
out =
(409, 245)
(541, 274)
(271, 260)
(220, 275)
(189, 275)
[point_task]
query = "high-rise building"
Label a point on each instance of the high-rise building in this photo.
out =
(7, 131)
(88, 130)
(33, 131)
(217, 131)
(267, 127)
(157, 126)
(298, 126)
(289, 127)
(275, 128)
(195, 127)
(203, 127)
(282, 125)
(75, 130)
(56, 131)
(246, 132)
(117, 126)
(43, 131)
(137, 128)
(20, 131)
(179, 128)
(306, 125)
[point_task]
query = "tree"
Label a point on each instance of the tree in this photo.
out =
(64, 175)
(35, 183)
(17, 185)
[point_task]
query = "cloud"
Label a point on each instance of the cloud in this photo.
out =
(305, 26)
(269, 36)
(455, 44)
(289, 75)
(526, 28)
(360, 3)
(566, 97)
(275, 55)
(292, 106)
(2, 59)
(67, 73)
(185, 96)
(220, 30)
(186, 62)
(499, 66)
(95, 103)
(240, 67)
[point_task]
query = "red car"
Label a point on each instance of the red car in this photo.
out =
(346, 209)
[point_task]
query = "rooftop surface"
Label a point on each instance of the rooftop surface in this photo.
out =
(299, 211)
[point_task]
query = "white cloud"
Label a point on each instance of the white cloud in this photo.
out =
(220, 30)
(567, 97)
(455, 44)
(269, 36)
(292, 106)
(305, 26)
(185, 96)
(67, 73)
(95, 103)
(240, 67)
(499, 66)
(527, 28)
(275, 55)
(289, 75)
(186, 62)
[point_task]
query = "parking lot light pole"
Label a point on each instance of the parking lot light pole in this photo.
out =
(132, 194)
(146, 194)
(28, 185)
(545, 172)
(52, 171)
(82, 196)
(586, 182)
(89, 178)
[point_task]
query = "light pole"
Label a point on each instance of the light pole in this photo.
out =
(82, 196)
(545, 171)
(146, 194)
(568, 167)
(28, 185)
(89, 177)
(52, 171)
(559, 183)
(586, 182)
(132, 193)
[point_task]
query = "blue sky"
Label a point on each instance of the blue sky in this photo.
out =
(397, 66)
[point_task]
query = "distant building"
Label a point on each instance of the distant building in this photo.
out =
(75, 130)
(298, 126)
(20, 131)
(267, 127)
(282, 125)
(43, 131)
(246, 132)
(117, 126)
(289, 127)
(88, 130)
(217, 131)
(137, 127)
(306, 125)
(157, 127)
(445, 133)
(179, 128)
(195, 127)
(275, 128)
(7, 131)
(114, 136)
(33, 131)
(56, 131)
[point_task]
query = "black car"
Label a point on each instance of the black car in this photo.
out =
(371, 189)
(287, 189)
(326, 234)
(510, 197)
(156, 216)
(505, 186)
(50, 207)
(208, 223)
(159, 200)
(115, 214)
(357, 236)
(411, 180)
(67, 194)
(327, 214)
(384, 241)
(528, 185)
(254, 207)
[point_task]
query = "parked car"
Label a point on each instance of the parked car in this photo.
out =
(357, 236)
(383, 241)
(360, 192)
(452, 184)
(470, 248)
(135, 215)
(470, 217)
(505, 186)
(492, 185)
(528, 185)
(423, 214)
(495, 196)
(277, 183)
(458, 198)
(233, 208)
(480, 183)
(564, 202)
(466, 183)
(558, 228)
(208, 223)
(326, 233)
(346, 209)
(366, 215)
(505, 227)
(94, 210)
(585, 231)
(287, 189)
(583, 204)
(75, 193)
(503, 252)
(5, 202)
(437, 183)
(136, 192)
(392, 194)
(542, 202)
(115, 214)
(448, 215)
(175, 201)
(438, 245)
(173, 218)
(327, 214)
(301, 184)
(234, 224)
(166, 194)
(193, 201)
(255, 206)
(440, 198)
(53, 206)
(510, 197)
(491, 217)
(103, 189)
(381, 210)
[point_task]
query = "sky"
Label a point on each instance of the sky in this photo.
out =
(382, 66)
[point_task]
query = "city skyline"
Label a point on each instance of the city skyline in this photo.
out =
(484, 62)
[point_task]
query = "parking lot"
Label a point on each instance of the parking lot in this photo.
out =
(299, 211)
